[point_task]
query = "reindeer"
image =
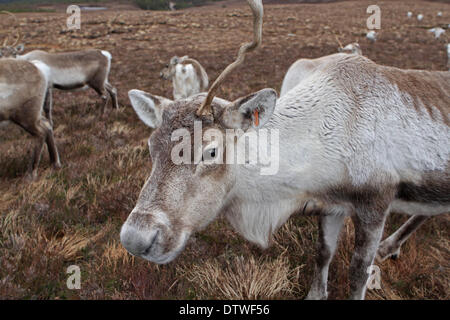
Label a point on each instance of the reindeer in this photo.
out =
(352, 48)
(70, 70)
(187, 75)
(301, 68)
(78, 70)
(356, 140)
(23, 92)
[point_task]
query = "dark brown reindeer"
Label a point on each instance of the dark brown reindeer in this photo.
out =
(356, 139)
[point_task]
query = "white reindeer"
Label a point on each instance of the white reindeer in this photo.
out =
(187, 75)
(438, 31)
(23, 92)
(371, 36)
(356, 139)
(302, 68)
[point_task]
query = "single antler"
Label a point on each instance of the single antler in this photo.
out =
(19, 36)
(338, 41)
(258, 12)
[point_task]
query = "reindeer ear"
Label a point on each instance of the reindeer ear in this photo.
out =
(20, 48)
(149, 108)
(253, 110)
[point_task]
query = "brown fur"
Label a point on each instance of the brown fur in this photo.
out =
(25, 106)
(94, 64)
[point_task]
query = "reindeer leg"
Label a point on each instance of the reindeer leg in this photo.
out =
(369, 225)
(34, 127)
(113, 94)
(101, 91)
(36, 131)
(51, 146)
(37, 157)
(390, 247)
(48, 105)
(329, 229)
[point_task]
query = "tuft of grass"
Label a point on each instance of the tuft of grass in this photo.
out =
(244, 278)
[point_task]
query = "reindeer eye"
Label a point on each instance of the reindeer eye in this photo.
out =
(209, 154)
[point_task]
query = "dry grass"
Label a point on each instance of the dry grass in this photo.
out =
(73, 216)
(244, 278)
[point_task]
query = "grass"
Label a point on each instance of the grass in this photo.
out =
(244, 278)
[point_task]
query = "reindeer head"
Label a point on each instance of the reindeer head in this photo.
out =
(352, 48)
(168, 72)
(190, 179)
(11, 50)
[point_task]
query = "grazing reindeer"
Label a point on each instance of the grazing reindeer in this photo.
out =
(72, 70)
(356, 139)
(23, 91)
(78, 69)
(301, 68)
(187, 75)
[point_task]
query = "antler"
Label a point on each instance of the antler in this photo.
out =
(258, 12)
(338, 41)
(19, 36)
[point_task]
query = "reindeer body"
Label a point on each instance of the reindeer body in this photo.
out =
(76, 70)
(301, 68)
(23, 92)
(339, 138)
(187, 75)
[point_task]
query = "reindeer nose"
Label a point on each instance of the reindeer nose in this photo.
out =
(138, 242)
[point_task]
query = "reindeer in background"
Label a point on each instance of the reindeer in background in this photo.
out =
(23, 93)
(187, 75)
(71, 70)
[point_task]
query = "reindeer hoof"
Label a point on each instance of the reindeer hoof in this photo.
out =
(394, 256)
(387, 250)
(31, 176)
(57, 166)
